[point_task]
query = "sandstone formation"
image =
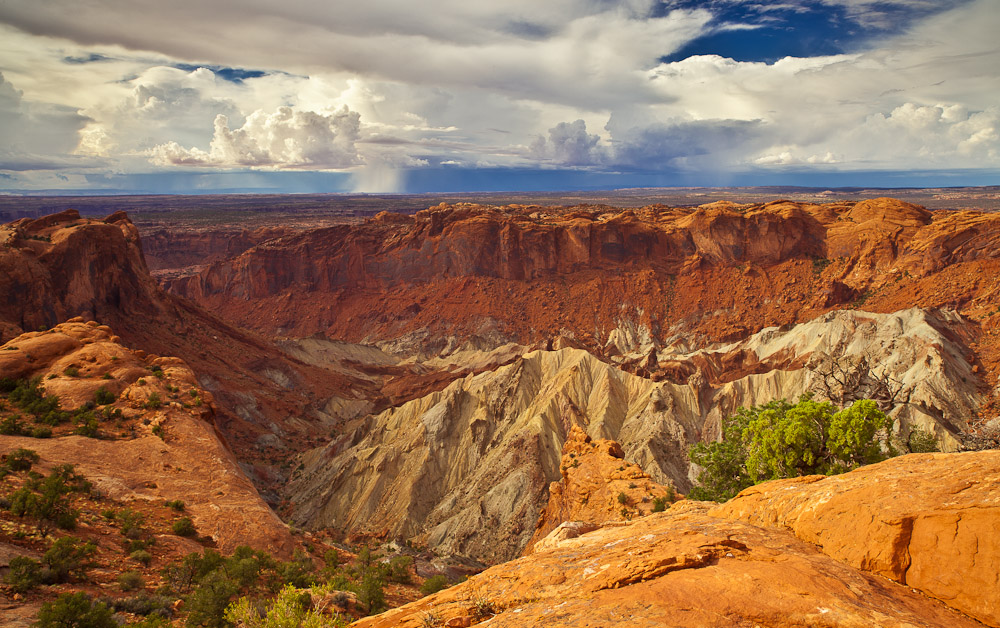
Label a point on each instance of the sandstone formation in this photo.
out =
(928, 521)
(619, 283)
(466, 469)
(61, 266)
(167, 250)
(682, 567)
(597, 486)
(165, 450)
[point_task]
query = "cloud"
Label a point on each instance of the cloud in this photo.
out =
(284, 139)
(36, 135)
(689, 144)
(569, 144)
(393, 86)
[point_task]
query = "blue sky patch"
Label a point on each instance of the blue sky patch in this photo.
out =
(233, 75)
(767, 32)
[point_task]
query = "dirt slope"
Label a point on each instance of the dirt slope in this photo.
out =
(159, 450)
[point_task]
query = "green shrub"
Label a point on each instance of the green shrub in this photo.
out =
(130, 580)
(132, 524)
(23, 574)
(780, 440)
(103, 396)
(71, 371)
(41, 432)
(47, 499)
(153, 401)
(68, 558)
(922, 442)
(622, 498)
(87, 425)
(11, 426)
(434, 584)
(399, 569)
(207, 604)
(141, 556)
(20, 459)
(659, 504)
(143, 604)
(184, 527)
(175, 504)
(298, 571)
(75, 610)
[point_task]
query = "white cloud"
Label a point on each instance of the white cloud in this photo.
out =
(569, 144)
(392, 85)
(286, 139)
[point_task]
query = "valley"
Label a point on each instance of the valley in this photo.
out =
(459, 381)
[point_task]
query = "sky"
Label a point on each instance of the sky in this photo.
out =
(188, 96)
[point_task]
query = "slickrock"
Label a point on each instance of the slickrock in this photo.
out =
(466, 469)
(928, 521)
(597, 486)
(682, 567)
(187, 461)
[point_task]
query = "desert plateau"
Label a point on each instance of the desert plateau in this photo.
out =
(505, 404)
(571, 314)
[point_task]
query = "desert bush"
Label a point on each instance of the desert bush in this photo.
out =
(922, 442)
(41, 432)
(622, 498)
(67, 558)
(290, 609)
(184, 527)
(434, 584)
(20, 459)
(103, 396)
(175, 504)
(75, 610)
(153, 401)
(780, 440)
(11, 426)
(71, 371)
(87, 425)
(141, 556)
(659, 504)
(46, 499)
(23, 574)
(143, 604)
(298, 571)
(130, 580)
(399, 569)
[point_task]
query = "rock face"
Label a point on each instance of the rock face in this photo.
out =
(695, 565)
(623, 284)
(928, 521)
(597, 486)
(188, 462)
(678, 568)
(467, 469)
(169, 250)
(61, 266)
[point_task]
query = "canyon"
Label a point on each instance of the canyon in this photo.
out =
(474, 379)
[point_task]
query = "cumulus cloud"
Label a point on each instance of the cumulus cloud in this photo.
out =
(390, 86)
(569, 144)
(286, 138)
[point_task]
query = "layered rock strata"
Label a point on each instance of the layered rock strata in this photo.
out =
(467, 469)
